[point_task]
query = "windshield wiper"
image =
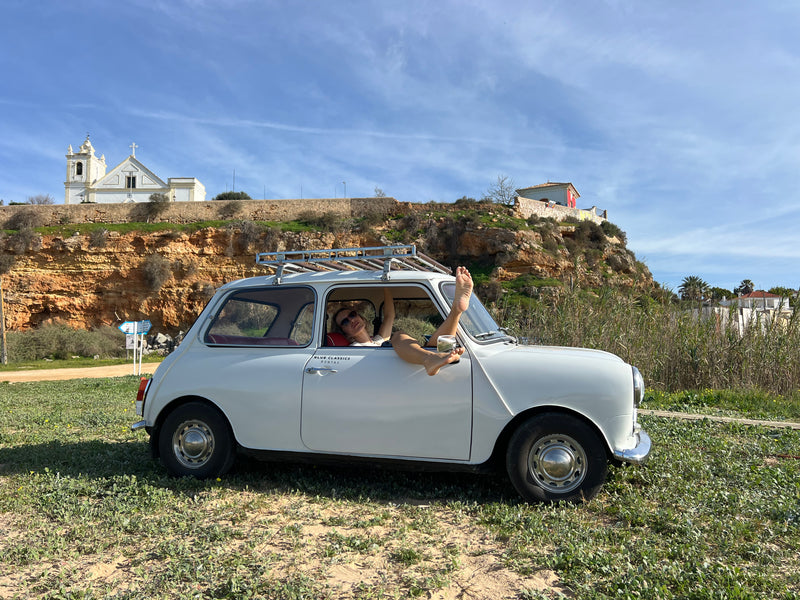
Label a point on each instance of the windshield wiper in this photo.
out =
(508, 334)
(485, 334)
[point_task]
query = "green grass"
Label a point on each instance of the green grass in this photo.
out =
(141, 227)
(85, 513)
(74, 363)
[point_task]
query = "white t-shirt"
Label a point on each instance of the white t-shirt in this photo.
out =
(376, 340)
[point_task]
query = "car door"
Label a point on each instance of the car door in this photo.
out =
(366, 400)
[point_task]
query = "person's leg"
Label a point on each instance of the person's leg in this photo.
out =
(410, 351)
(460, 304)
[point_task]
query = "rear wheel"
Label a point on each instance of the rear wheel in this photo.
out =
(555, 457)
(195, 440)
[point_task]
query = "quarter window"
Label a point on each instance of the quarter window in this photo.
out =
(265, 317)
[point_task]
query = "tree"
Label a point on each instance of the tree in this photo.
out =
(746, 287)
(718, 293)
(379, 193)
(693, 288)
(232, 196)
(41, 199)
(782, 291)
(502, 191)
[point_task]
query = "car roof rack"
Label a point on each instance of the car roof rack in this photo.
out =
(373, 258)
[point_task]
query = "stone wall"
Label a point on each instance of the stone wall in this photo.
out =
(268, 210)
(192, 212)
(526, 207)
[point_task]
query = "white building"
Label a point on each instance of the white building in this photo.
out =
(129, 181)
(563, 194)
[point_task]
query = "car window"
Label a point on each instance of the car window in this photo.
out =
(264, 317)
(416, 313)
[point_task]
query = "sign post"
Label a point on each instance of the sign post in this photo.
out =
(136, 330)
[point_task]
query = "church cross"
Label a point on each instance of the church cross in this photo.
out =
(133, 147)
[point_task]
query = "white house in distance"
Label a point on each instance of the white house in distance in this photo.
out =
(129, 181)
(756, 307)
(563, 194)
(762, 302)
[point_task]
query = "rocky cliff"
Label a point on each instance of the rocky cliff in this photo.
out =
(97, 274)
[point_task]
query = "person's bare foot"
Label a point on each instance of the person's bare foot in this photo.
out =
(436, 360)
(463, 289)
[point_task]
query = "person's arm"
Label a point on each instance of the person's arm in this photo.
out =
(385, 330)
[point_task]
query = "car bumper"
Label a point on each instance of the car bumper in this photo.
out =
(640, 453)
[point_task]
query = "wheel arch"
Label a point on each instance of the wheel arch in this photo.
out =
(175, 404)
(501, 444)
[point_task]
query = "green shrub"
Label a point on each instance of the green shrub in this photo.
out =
(612, 230)
(25, 240)
(156, 270)
(328, 221)
(243, 236)
(98, 238)
(672, 347)
(59, 341)
(27, 218)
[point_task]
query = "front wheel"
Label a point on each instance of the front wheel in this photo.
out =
(195, 440)
(556, 457)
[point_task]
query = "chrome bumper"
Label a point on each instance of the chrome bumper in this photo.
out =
(139, 425)
(640, 453)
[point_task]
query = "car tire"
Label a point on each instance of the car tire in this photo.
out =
(196, 441)
(556, 458)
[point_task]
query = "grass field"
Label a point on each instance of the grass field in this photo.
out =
(84, 513)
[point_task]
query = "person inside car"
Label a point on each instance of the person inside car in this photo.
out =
(354, 327)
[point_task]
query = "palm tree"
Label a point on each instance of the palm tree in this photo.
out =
(746, 287)
(693, 288)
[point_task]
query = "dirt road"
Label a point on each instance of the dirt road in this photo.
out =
(62, 374)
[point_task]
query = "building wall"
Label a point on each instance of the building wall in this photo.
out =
(525, 207)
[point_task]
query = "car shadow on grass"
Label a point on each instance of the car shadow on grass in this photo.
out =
(98, 459)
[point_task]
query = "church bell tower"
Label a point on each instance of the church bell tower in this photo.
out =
(83, 169)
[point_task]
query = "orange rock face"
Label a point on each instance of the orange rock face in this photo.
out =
(168, 276)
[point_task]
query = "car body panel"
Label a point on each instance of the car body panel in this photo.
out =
(363, 400)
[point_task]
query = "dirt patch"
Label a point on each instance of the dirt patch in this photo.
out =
(79, 373)
(347, 549)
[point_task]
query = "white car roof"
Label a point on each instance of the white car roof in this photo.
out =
(374, 264)
(336, 277)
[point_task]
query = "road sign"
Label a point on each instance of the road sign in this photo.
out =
(138, 327)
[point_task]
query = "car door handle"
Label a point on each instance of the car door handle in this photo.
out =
(320, 370)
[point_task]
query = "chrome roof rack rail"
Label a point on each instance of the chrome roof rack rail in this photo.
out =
(373, 258)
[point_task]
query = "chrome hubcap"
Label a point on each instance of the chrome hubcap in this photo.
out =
(193, 444)
(557, 463)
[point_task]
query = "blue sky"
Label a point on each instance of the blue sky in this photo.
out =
(682, 119)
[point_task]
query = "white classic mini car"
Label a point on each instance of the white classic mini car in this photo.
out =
(261, 371)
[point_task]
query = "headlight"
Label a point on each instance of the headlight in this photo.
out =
(638, 387)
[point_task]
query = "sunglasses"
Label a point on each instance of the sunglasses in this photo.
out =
(346, 321)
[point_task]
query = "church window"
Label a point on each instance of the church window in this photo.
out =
(79, 168)
(130, 182)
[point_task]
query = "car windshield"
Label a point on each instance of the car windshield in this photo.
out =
(477, 321)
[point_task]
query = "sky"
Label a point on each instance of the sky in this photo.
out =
(680, 118)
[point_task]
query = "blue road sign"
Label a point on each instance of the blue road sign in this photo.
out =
(139, 327)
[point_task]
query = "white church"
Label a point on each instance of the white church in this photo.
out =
(129, 181)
